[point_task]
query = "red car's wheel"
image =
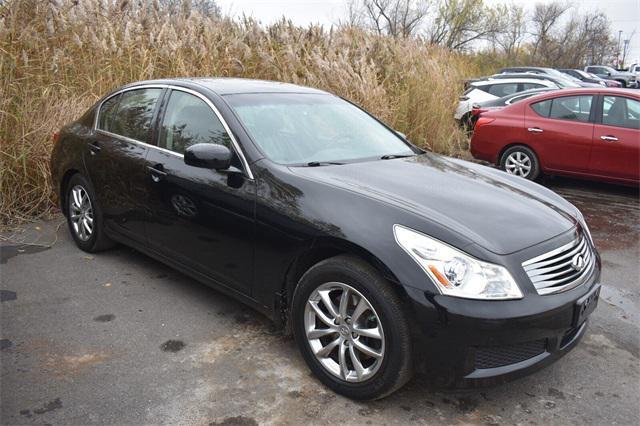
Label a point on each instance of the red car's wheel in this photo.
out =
(520, 161)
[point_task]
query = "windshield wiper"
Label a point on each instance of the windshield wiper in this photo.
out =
(323, 163)
(392, 156)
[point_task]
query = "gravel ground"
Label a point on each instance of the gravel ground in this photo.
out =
(118, 338)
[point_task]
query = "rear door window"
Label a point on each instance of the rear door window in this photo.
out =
(574, 108)
(134, 114)
(503, 89)
(621, 112)
(529, 86)
(107, 113)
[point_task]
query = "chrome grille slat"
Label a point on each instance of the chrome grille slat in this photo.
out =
(566, 265)
(556, 282)
(573, 251)
(546, 277)
(553, 272)
(550, 253)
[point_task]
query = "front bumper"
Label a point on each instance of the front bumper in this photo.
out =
(471, 343)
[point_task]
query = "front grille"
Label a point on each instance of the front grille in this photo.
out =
(561, 269)
(499, 356)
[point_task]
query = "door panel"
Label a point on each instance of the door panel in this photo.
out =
(616, 149)
(115, 159)
(199, 217)
(560, 133)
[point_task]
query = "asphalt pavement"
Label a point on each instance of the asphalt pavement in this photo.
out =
(118, 338)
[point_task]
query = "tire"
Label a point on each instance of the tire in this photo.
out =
(90, 238)
(384, 314)
(516, 159)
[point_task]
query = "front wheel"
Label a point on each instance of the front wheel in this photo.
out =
(351, 329)
(520, 161)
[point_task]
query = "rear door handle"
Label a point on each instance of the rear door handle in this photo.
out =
(94, 148)
(609, 138)
(535, 129)
(157, 174)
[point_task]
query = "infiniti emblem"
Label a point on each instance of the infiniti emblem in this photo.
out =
(577, 263)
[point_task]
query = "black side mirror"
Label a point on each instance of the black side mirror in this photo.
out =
(208, 156)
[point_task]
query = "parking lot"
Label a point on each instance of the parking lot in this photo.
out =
(119, 338)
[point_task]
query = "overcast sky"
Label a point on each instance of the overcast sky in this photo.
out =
(624, 14)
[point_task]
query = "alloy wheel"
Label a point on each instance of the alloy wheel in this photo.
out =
(81, 213)
(344, 332)
(518, 163)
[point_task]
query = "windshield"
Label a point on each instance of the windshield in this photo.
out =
(296, 129)
(584, 74)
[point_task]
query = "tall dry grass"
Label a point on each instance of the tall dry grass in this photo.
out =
(58, 57)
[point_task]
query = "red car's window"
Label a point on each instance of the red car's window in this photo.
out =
(621, 112)
(573, 108)
(542, 108)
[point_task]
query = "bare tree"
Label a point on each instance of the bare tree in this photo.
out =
(513, 29)
(544, 21)
(460, 22)
(397, 18)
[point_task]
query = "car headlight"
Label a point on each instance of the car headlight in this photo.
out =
(454, 272)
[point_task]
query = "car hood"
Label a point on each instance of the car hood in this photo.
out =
(497, 211)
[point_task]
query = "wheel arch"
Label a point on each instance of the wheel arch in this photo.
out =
(64, 182)
(322, 249)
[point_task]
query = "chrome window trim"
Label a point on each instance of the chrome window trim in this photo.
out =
(236, 146)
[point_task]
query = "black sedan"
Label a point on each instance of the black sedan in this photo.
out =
(380, 258)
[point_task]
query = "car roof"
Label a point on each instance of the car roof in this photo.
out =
(507, 80)
(527, 68)
(228, 86)
(589, 90)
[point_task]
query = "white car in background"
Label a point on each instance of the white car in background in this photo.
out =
(489, 89)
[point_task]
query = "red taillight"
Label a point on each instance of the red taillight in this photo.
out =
(484, 120)
(56, 136)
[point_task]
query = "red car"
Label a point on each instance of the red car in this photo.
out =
(585, 133)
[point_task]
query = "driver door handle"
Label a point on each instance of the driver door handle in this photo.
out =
(157, 172)
(535, 129)
(94, 148)
(608, 138)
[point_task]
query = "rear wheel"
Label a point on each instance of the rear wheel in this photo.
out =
(84, 216)
(520, 161)
(351, 329)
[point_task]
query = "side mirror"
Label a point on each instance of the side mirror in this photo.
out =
(609, 73)
(208, 156)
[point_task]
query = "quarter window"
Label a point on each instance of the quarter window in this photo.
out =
(621, 112)
(189, 120)
(542, 108)
(135, 112)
